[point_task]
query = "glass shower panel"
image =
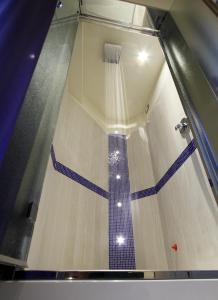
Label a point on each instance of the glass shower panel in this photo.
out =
(124, 180)
(23, 170)
(118, 161)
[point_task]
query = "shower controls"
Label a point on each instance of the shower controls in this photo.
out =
(183, 127)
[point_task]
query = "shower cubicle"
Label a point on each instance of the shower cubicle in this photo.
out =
(125, 186)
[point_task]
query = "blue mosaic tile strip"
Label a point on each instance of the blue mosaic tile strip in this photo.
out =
(144, 193)
(170, 172)
(76, 177)
(121, 240)
(176, 165)
(114, 159)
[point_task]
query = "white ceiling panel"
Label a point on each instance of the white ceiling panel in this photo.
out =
(87, 82)
(161, 4)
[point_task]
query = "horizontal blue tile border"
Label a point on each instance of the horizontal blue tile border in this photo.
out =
(187, 152)
(176, 165)
(144, 193)
(170, 172)
(59, 167)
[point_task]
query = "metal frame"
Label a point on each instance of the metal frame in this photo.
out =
(70, 18)
(101, 20)
(12, 261)
(107, 275)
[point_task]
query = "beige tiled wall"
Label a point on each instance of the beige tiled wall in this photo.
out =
(188, 212)
(71, 230)
(148, 235)
(80, 143)
(139, 160)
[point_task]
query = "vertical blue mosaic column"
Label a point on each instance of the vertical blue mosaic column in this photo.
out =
(121, 240)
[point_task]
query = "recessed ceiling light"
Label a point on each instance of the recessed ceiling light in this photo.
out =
(119, 204)
(118, 176)
(142, 56)
(59, 4)
(120, 240)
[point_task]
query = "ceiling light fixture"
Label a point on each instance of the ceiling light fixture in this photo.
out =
(119, 204)
(142, 56)
(118, 176)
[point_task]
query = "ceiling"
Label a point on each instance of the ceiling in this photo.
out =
(161, 4)
(87, 83)
(120, 11)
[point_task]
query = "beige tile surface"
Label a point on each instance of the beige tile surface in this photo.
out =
(166, 111)
(148, 235)
(187, 207)
(80, 143)
(189, 218)
(71, 230)
(139, 161)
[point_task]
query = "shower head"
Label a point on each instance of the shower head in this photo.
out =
(112, 53)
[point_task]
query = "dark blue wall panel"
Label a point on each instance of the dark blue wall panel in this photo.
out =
(23, 28)
(23, 167)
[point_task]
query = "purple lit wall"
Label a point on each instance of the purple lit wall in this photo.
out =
(23, 28)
